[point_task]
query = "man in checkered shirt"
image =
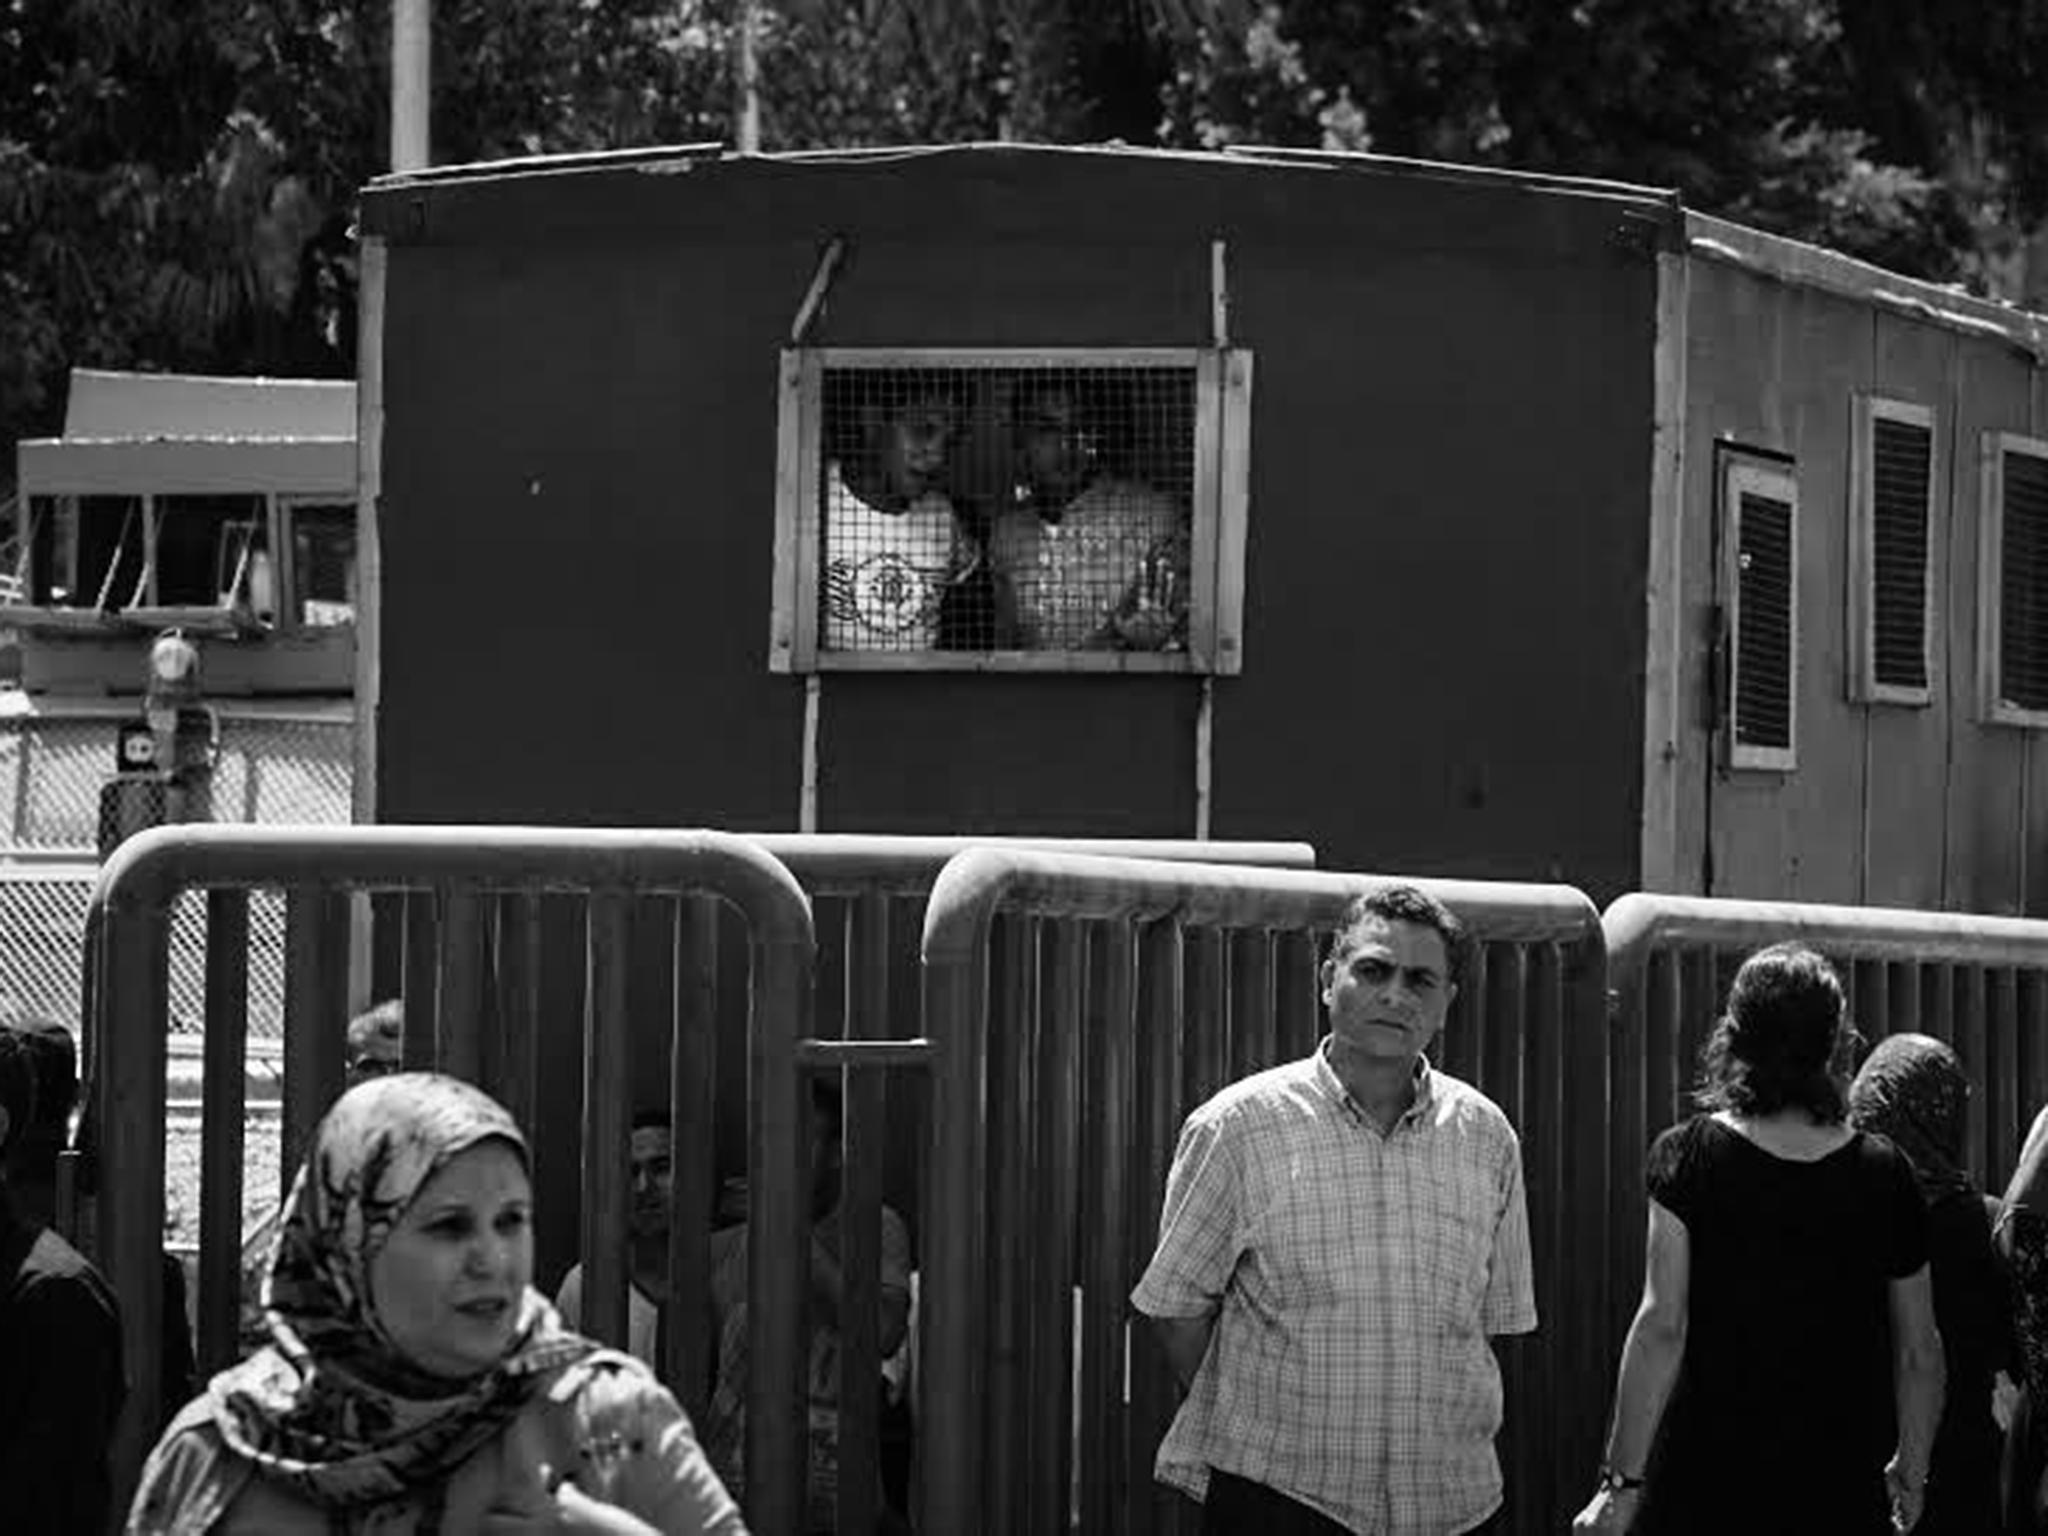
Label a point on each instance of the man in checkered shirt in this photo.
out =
(1341, 1236)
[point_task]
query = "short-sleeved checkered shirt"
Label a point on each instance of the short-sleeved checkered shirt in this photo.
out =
(1355, 1278)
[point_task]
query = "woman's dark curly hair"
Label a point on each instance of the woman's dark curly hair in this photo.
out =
(1779, 1044)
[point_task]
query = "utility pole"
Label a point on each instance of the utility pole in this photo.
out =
(747, 106)
(412, 51)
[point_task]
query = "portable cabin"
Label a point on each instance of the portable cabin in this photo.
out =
(1533, 527)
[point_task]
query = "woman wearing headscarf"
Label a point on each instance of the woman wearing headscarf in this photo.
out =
(1782, 1376)
(415, 1382)
(2021, 1241)
(1913, 1091)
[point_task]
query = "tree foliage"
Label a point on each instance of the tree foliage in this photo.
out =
(177, 181)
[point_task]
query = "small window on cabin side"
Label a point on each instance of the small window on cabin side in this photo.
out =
(2013, 581)
(204, 548)
(1760, 596)
(324, 563)
(1891, 576)
(1066, 510)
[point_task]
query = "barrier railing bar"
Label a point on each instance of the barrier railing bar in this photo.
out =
(224, 1089)
(607, 1091)
(1299, 999)
(1013, 1091)
(518, 975)
(780, 962)
(860, 1219)
(859, 1055)
(135, 984)
(1254, 1032)
(1049, 1463)
(1583, 1352)
(1161, 983)
(692, 1092)
(1937, 1001)
(848, 864)
(458, 992)
(315, 1003)
(420, 982)
(949, 1440)
(1971, 993)
(1105, 1265)
(2033, 1033)
(2002, 1065)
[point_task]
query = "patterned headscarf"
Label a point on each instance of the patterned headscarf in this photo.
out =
(1913, 1091)
(332, 1407)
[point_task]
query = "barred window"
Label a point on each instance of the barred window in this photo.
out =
(2013, 580)
(946, 508)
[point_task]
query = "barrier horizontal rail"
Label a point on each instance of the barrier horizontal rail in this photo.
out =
(317, 867)
(982, 1331)
(1979, 982)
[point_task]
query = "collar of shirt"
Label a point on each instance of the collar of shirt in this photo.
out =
(1333, 1086)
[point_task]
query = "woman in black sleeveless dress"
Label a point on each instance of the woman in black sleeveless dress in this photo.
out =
(1783, 1374)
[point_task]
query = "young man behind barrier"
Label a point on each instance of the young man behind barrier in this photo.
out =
(61, 1380)
(1340, 1237)
(652, 1166)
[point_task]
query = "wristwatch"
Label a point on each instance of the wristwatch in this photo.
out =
(1612, 1481)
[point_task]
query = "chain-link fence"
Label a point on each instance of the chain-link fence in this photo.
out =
(270, 769)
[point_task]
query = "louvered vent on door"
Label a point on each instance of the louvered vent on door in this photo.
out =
(1763, 637)
(2023, 580)
(1901, 480)
(1759, 585)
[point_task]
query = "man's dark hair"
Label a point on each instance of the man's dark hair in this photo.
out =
(1777, 1045)
(1403, 904)
(17, 1088)
(651, 1118)
(53, 1056)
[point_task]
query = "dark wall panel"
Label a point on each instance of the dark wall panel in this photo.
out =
(577, 524)
(1051, 756)
(1444, 618)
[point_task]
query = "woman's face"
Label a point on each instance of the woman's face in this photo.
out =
(447, 1284)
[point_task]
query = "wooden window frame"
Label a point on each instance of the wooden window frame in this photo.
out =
(1776, 479)
(1219, 511)
(1992, 451)
(1864, 686)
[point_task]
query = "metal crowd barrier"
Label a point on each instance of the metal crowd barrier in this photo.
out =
(472, 945)
(1077, 1008)
(868, 895)
(484, 881)
(1980, 983)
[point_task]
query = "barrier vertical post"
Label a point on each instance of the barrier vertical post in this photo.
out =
(224, 1112)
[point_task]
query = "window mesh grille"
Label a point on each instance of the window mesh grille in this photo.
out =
(1005, 508)
(1902, 463)
(1763, 640)
(2023, 583)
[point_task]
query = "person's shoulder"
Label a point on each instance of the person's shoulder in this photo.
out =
(1687, 1135)
(1461, 1102)
(1879, 1156)
(1250, 1100)
(53, 1273)
(189, 1479)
